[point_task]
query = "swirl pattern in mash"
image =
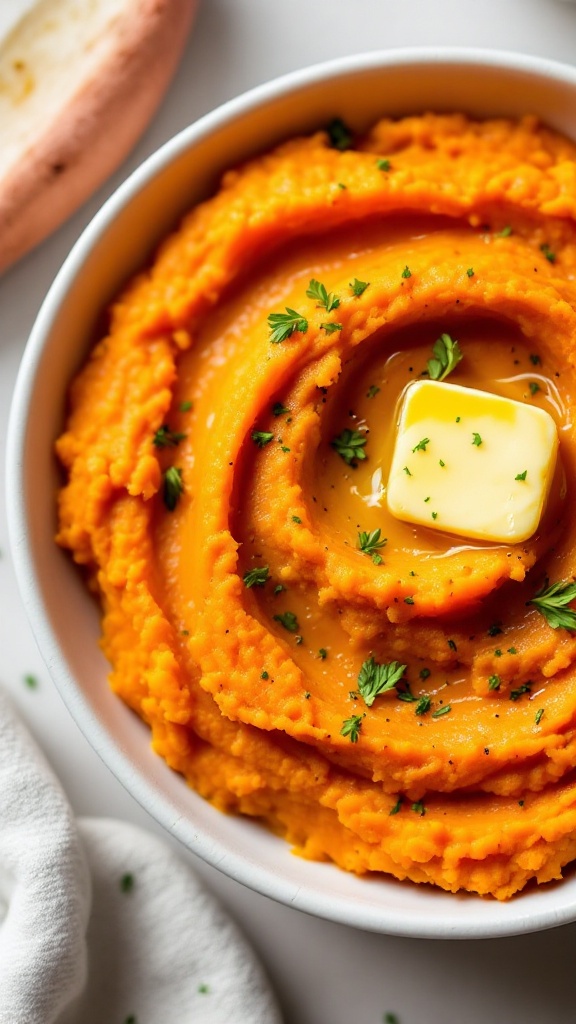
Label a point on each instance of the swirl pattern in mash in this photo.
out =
(238, 606)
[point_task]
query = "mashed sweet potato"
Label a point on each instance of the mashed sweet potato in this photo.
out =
(222, 467)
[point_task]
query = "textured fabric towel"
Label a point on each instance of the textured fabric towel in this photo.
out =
(102, 921)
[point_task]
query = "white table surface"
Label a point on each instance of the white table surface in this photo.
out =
(323, 973)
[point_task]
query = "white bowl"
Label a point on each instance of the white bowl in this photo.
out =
(63, 616)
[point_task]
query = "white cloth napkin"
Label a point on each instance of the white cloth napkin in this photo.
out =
(101, 921)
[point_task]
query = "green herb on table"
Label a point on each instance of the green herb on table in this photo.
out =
(447, 355)
(283, 325)
(552, 603)
(326, 300)
(375, 679)
(351, 727)
(350, 446)
(256, 577)
(173, 487)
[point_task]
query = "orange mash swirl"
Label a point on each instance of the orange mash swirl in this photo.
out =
(238, 607)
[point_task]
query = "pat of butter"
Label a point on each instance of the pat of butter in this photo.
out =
(471, 463)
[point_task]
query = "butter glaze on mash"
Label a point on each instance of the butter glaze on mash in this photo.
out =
(455, 226)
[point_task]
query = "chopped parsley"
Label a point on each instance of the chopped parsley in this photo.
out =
(351, 727)
(494, 682)
(375, 678)
(494, 629)
(369, 543)
(422, 445)
(434, 515)
(283, 325)
(203, 988)
(296, 519)
(517, 693)
(447, 355)
(166, 438)
(331, 328)
(418, 808)
(406, 273)
(264, 674)
(552, 603)
(470, 272)
(322, 654)
(278, 409)
(358, 287)
(31, 681)
(407, 471)
(535, 359)
(538, 716)
(521, 476)
(288, 620)
(423, 705)
(444, 710)
(185, 406)
(396, 807)
(410, 600)
(279, 588)
(350, 446)
(339, 134)
(327, 301)
(424, 673)
(173, 487)
(372, 391)
(547, 252)
(505, 233)
(383, 165)
(127, 883)
(476, 439)
(534, 387)
(256, 577)
(261, 437)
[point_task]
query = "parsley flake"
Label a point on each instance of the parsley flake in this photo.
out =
(127, 883)
(166, 438)
(447, 355)
(358, 287)
(396, 807)
(516, 694)
(476, 439)
(278, 409)
(547, 252)
(425, 673)
(261, 437)
(552, 601)
(534, 387)
(331, 328)
(444, 710)
(410, 600)
(350, 446)
(185, 406)
(325, 300)
(283, 325)
(31, 681)
(418, 808)
(422, 445)
(351, 727)
(538, 716)
(375, 678)
(372, 391)
(407, 471)
(470, 272)
(383, 165)
(494, 682)
(423, 705)
(406, 273)
(256, 577)
(322, 653)
(521, 476)
(369, 543)
(339, 134)
(173, 487)
(505, 233)
(289, 620)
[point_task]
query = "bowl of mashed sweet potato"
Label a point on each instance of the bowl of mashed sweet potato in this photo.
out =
(363, 712)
